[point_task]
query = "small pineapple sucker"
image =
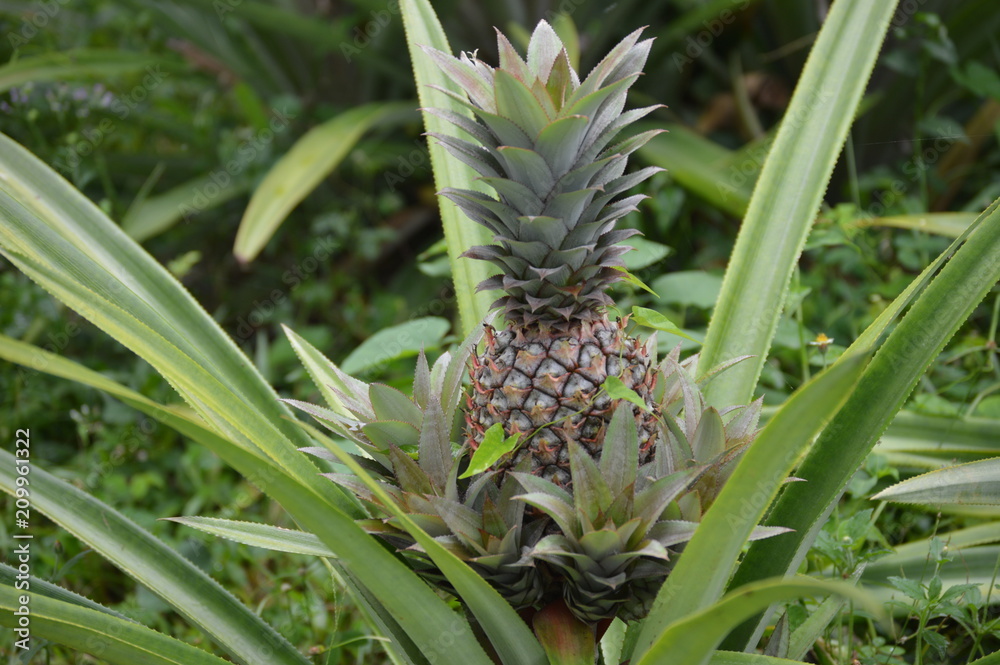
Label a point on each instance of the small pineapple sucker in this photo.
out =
(548, 144)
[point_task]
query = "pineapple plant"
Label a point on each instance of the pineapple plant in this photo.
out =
(583, 517)
(547, 144)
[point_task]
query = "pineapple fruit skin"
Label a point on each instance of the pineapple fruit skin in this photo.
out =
(546, 385)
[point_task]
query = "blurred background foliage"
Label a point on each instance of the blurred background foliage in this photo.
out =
(169, 115)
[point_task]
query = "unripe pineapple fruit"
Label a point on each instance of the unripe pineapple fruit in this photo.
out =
(548, 145)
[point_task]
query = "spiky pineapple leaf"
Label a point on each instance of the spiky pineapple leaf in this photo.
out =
(617, 389)
(435, 445)
(620, 454)
(972, 483)
(650, 318)
(391, 404)
(493, 447)
(258, 535)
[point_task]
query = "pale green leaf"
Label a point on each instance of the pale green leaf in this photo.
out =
(948, 224)
(975, 483)
(424, 29)
(788, 193)
(156, 214)
(695, 635)
(314, 155)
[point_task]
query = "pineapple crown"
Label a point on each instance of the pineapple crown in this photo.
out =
(542, 139)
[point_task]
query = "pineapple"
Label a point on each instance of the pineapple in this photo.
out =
(587, 515)
(544, 142)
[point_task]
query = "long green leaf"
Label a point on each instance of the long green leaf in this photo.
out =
(102, 635)
(691, 639)
(975, 483)
(9, 577)
(61, 240)
(948, 224)
(84, 63)
(259, 535)
(156, 214)
(424, 29)
(314, 155)
(889, 379)
(139, 554)
(703, 570)
(788, 194)
(932, 441)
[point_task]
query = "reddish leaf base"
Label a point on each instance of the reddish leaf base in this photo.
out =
(566, 639)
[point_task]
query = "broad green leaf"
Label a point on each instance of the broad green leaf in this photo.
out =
(493, 447)
(972, 268)
(424, 29)
(644, 254)
(84, 63)
(9, 577)
(788, 193)
(694, 636)
(975, 482)
(194, 594)
(258, 535)
(650, 318)
(62, 241)
(314, 155)
(948, 224)
(694, 288)
(701, 573)
(115, 640)
(616, 389)
(401, 341)
(158, 213)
